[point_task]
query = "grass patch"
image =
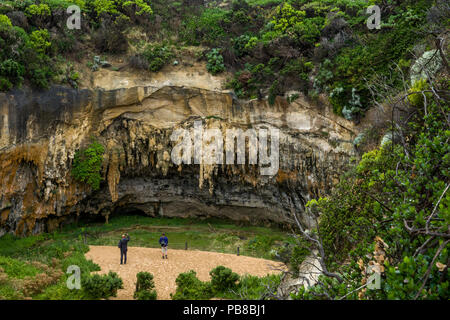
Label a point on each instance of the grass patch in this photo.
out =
(16, 268)
(206, 235)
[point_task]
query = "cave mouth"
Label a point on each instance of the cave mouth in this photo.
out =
(94, 219)
(127, 211)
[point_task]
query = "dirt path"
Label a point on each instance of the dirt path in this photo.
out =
(166, 271)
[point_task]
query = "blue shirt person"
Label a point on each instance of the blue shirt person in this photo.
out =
(164, 242)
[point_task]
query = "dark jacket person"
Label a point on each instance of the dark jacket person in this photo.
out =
(164, 242)
(123, 245)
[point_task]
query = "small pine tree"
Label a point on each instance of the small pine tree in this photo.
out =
(145, 287)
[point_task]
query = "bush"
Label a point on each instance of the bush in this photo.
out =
(119, 7)
(5, 84)
(39, 15)
(189, 287)
(17, 269)
(40, 41)
(5, 23)
(38, 10)
(158, 56)
(145, 295)
(240, 45)
(416, 97)
(145, 287)
(223, 279)
(152, 57)
(87, 164)
(378, 214)
(205, 29)
(255, 288)
(215, 63)
(24, 56)
(13, 70)
(110, 38)
(224, 284)
(102, 286)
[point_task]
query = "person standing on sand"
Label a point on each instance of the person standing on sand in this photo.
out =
(164, 242)
(123, 245)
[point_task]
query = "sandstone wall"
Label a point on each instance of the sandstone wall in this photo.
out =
(133, 117)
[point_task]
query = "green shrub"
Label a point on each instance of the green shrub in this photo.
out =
(145, 295)
(189, 287)
(274, 91)
(298, 255)
(287, 21)
(40, 41)
(255, 288)
(102, 286)
(5, 84)
(354, 107)
(223, 279)
(215, 63)
(41, 9)
(87, 164)
(39, 15)
(13, 70)
(204, 29)
(145, 287)
(224, 284)
(157, 56)
(5, 23)
(17, 269)
(417, 99)
(240, 45)
(120, 6)
(378, 213)
(110, 37)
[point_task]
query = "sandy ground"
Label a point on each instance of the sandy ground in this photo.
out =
(166, 271)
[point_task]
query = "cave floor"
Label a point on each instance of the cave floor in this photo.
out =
(166, 271)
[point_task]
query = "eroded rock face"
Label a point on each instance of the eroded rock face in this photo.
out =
(134, 120)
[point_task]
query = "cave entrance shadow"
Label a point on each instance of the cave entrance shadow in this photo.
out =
(99, 219)
(127, 211)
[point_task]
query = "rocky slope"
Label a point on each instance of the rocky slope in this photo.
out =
(133, 115)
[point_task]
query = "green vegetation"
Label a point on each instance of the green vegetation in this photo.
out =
(145, 287)
(215, 62)
(206, 235)
(36, 266)
(223, 279)
(102, 286)
(16, 268)
(23, 56)
(87, 164)
(154, 57)
(224, 284)
(309, 46)
(189, 287)
(391, 211)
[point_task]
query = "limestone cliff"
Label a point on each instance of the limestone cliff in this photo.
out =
(133, 116)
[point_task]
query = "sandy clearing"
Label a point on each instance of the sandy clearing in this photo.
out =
(166, 271)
